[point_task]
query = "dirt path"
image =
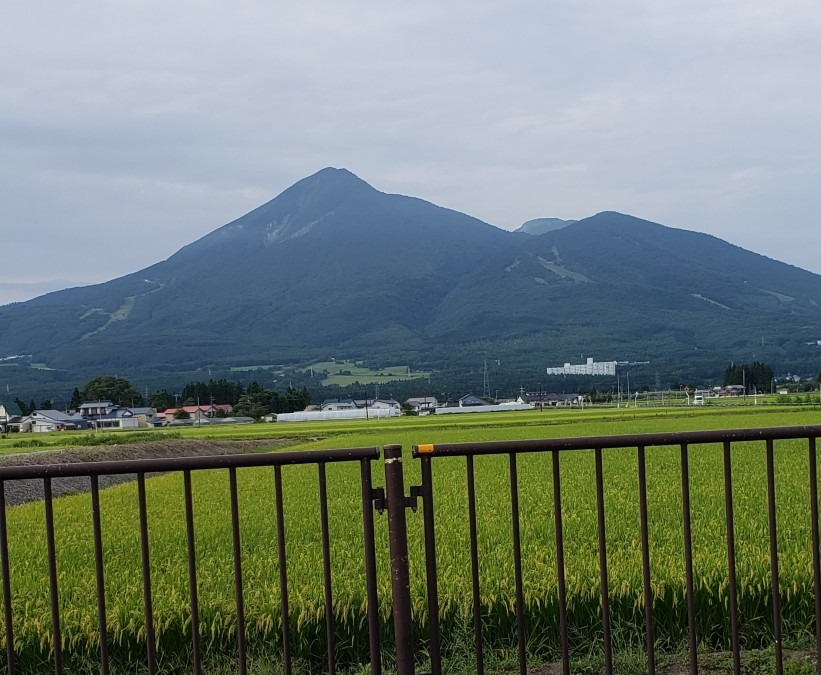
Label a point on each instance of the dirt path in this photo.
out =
(22, 491)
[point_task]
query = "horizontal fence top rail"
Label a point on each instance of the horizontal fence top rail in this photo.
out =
(165, 464)
(620, 441)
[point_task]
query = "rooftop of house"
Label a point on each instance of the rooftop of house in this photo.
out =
(11, 408)
(97, 404)
(56, 415)
(224, 407)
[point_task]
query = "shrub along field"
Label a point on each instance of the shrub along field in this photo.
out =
(75, 560)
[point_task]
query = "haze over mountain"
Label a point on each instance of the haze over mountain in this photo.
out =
(333, 267)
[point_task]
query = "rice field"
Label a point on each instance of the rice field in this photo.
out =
(120, 530)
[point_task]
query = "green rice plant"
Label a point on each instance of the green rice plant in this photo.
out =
(262, 592)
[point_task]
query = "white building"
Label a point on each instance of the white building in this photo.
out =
(590, 368)
(324, 415)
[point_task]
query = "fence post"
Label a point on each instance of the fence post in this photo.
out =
(400, 578)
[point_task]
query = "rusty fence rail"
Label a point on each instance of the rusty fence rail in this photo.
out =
(430, 454)
(187, 465)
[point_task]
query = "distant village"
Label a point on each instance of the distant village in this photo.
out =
(105, 415)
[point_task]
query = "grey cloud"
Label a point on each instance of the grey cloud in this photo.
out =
(127, 131)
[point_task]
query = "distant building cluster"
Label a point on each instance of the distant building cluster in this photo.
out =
(107, 415)
(591, 367)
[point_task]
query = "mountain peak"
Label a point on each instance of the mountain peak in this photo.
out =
(333, 178)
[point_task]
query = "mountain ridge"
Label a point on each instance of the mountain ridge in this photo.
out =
(334, 265)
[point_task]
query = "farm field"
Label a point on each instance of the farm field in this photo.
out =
(75, 558)
(345, 373)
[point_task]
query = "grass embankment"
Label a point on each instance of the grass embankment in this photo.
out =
(261, 575)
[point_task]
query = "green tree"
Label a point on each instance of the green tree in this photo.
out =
(181, 414)
(47, 404)
(76, 400)
(407, 409)
(251, 405)
(161, 400)
(118, 390)
(296, 400)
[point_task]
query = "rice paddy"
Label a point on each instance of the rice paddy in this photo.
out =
(120, 532)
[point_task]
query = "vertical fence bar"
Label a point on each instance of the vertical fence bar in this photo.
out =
(283, 571)
(474, 569)
(326, 567)
(4, 554)
(557, 514)
(779, 655)
(368, 542)
(192, 575)
(242, 660)
(517, 564)
(99, 573)
(603, 576)
(150, 644)
(816, 563)
(645, 562)
(688, 558)
(400, 577)
(57, 641)
(434, 648)
(731, 564)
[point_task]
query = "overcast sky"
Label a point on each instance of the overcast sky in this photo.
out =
(129, 128)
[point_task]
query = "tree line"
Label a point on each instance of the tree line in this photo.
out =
(755, 376)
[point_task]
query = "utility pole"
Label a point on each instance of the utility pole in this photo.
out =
(628, 389)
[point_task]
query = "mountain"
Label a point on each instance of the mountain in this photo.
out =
(333, 267)
(542, 225)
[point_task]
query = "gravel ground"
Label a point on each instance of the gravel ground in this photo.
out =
(22, 491)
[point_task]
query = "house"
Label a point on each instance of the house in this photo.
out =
(385, 404)
(96, 409)
(41, 421)
(197, 412)
(548, 399)
(128, 418)
(467, 401)
(334, 404)
(734, 390)
(422, 404)
(146, 417)
(470, 400)
(107, 415)
(10, 413)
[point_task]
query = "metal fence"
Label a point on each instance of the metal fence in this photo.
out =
(394, 500)
(431, 453)
(186, 465)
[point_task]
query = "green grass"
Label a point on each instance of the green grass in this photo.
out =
(20, 443)
(261, 575)
(345, 373)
